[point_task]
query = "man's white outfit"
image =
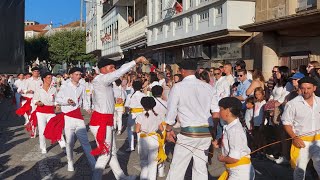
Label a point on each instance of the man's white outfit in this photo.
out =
(304, 119)
(190, 99)
(103, 102)
(73, 126)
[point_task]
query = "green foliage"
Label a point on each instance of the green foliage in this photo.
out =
(36, 48)
(69, 46)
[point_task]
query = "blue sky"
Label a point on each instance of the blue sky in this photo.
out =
(57, 11)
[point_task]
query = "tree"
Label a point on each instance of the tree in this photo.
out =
(69, 47)
(36, 47)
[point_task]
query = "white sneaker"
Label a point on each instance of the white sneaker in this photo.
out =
(44, 151)
(270, 157)
(281, 160)
(70, 166)
(129, 150)
(119, 133)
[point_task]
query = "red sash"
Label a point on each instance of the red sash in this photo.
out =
(26, 108)
(55, 126)
(101, 120)
(33, 121)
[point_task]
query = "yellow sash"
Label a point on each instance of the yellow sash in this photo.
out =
(161, 140)
(118, 105)
(136, 110)
(294, 151)
(242, 161)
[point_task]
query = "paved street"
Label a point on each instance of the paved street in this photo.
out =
(20, 157)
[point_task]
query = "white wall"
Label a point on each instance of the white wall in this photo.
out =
(240, 13)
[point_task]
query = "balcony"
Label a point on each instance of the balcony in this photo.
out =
(134, 32)
(304, 5)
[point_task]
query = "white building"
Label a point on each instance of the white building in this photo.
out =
(94, 12)
(31, 31)
(207, 30)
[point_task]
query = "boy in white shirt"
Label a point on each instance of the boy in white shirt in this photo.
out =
(120, 97)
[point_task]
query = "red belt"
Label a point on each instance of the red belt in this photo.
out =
(33, 122)
(55, 126)
(26, 108)
(101, 120)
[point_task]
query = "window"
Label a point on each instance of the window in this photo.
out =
(159, 9)
(219, 11)
(190, 3)
(190, 20)
(168, 27)
(179, 23)
(204, 16)
(202, 1)
(160, 30)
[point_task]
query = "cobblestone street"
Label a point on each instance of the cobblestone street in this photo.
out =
(21, 158)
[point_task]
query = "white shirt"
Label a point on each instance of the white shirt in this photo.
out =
(234, 141)
(134, 101)
(191, 100)
(161, 81)
(249, 75)
(18, 84)
(119, 92)
(75, 92)
(103, 96)
(301, 116)
(47, 98)
(89, 88)
(248, 117)
(222, 88)
(31, 84)
(154, 83)
(258, 113)
(161, 108)
(148, 124)
(230, 79)
(279, 93)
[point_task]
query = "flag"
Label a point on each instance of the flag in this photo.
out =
(178, 7)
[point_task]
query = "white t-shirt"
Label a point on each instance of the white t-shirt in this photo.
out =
(148, 124)
(258, 113)
(248, 117)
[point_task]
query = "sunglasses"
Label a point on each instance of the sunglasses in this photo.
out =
(239, 75)
(216, 74)
(274, 71)
(310, 66)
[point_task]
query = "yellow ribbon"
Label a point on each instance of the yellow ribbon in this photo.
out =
(162, 156)
(295, 151)
(242, 161)
(118, 105)
(136, 110)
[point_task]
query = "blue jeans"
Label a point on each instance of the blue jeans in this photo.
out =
(17, 96)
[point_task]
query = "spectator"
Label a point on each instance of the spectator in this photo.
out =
(258, 81)
(240, 64)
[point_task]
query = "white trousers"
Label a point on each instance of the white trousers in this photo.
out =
(110, 158)
(243, 172)
(76, 127)
(311, 151)
(130, 128)
(148, 157)
(185, 149)
(43, 119)
(117, 118)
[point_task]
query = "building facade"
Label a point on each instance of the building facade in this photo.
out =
(31, 31)
(205, 30)
(290, 30)
(94, 12)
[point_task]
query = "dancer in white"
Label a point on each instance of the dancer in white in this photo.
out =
(101, 123)
(44, 101)
(120, 97)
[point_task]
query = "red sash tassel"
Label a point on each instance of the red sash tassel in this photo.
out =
(26, 108)
(33, 121)
(55, 126)
(101, 120)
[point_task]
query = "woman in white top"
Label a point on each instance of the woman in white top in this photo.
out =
(44, 100)
(17, 86)
(147, 124)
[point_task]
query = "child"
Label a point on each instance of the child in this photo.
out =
(133, 104)
(119, 96)
(147, 124)
(249, 112)
(258, 117)
(235, 151)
